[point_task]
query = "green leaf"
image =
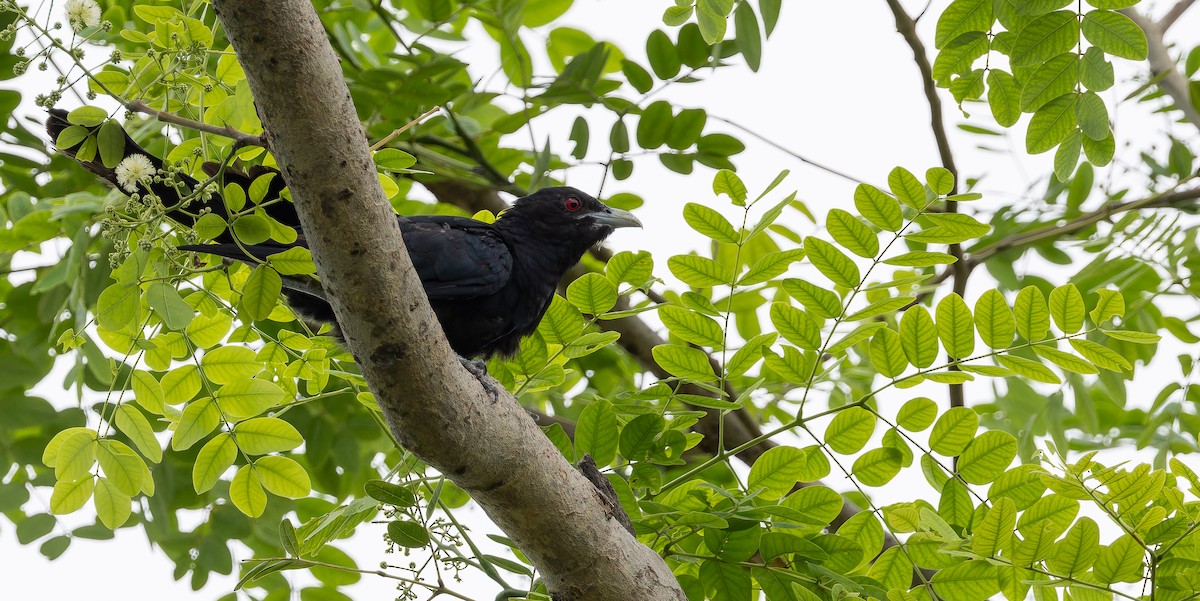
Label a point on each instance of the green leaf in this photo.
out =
(181, 384)
(699, 272)
(631, 268)
(974, 580)
(117, 306)
(796, 326)
(262, 184)
(995, 530)
(819, 301)
(1004, 97)
(906, 187)
(209, 226)
(1093, 116)
(1050, 80)
(1110, 304)
(229, 364)
(850, 430)
(87, 116)
(198, 419)
(746, 32)
(677, 15)
(750, 353)
(1122, 561)
(955, 326)
(71, 453)
(112, 505)
(859, 334)
(877, 466)
(1099, 152)
(247, 492)
(684, 362)
(727, 581)
(778, 470)
(1095, 72)
(887, 354)
(408, 534)
(1101, 355)
(71, 136)
(261, 292)
(235, 198)
(941, 181)
(263, 435)
(919, 337)
(770, 266)
(1046, 36)
(283, 476)
(921, 258)
(711, 16)
(252, 229)
(1029, 368)
(917, 414)
(1078, 550)
(686, 129)
(216, 456)
(987, 457)
(296, 260)
(1115, 34)
(995, 320)
(249, 397)
(391, 159)
(852, 234)
(148, 392)
(165, 301)
(110, 142)
(592, 294)
(638, 436)
(133, 424)
(1051, 124)
(953, 431)
(881, 307)
(596, 432)
(1032, 315)
(1065, 360)
(206, 332)
(691, 326)
(1067, 309)
(638, 77)
(962, 16)
(1133, 336)
(878, 208)
(1067, 156)
(709, 222)
(391, 494)
(69, 496)
(662, 54)
(831, 262)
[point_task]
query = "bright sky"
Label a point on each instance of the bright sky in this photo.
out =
(837, 85)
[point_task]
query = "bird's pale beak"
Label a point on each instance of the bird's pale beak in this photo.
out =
(616, 218)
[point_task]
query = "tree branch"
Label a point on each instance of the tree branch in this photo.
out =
(1173, 15)
(478, 436)
(907, 26)
(1162, 66)
(240, 138)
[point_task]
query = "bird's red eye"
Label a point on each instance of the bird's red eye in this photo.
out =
(572, 203)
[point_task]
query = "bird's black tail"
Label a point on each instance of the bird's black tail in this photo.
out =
(183, 211)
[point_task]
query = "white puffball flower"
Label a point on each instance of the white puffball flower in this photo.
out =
(83, 13)
(133, 169)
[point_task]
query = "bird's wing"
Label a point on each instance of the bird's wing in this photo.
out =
(456, 257)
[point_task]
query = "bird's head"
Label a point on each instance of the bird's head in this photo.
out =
(567, 216)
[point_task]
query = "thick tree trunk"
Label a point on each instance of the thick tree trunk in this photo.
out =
(484, 441)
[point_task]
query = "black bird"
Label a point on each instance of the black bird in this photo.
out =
(489, 284)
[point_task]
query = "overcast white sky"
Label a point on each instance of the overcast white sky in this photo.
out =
(837, 85)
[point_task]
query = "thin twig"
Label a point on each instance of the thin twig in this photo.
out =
(907, 27)
(1162, 66)
(239, 137)
(785, 150)
(388, 138)
(1173, 15)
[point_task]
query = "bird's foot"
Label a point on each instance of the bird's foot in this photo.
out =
(478, 368)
